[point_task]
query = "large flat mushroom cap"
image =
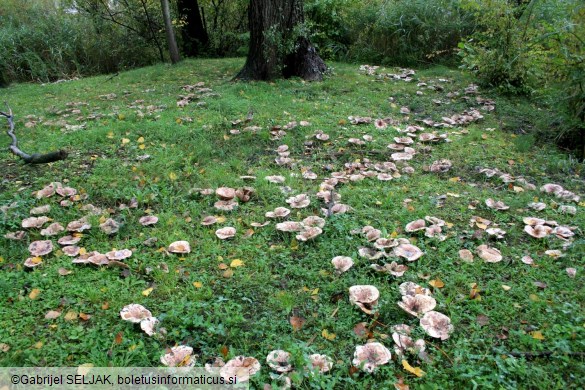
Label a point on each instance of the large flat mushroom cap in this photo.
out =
(135, 313)
(342, 263)
(279, 361)
(289, 226)
(436, 325)
(40, 248)
(225, 233)
(408, 251)
(416, 225)
(179, 355)
(180, 247)
(417, 304)
(370, 356)
(322, 362)
(225, 193)
(241, 367)
(491, 255)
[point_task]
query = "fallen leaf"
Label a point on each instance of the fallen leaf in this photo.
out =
(413, 370)
(437, 283)
(482, 319)
(39, 345)
(118, 338)
(4, 347)
(506, 287)
(224, 350)
(105, 305)
(361, 330)
(329, 336)
(84, 316)
(52, 314)
(236, 263)
(537, 334)
(71, 315)
(147, 291)
(197, 284)
(125, 141)
(173, 176)
(222, 266)
(228, 273)
(35, 292)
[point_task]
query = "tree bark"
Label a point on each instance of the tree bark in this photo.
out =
(194, 34)
(278, 46)
(173, 49)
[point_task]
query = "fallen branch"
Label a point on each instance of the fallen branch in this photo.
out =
(28, 158)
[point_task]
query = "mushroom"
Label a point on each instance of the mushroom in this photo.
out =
(435, 221)
(533, 221)
(408, 251)
(342, 263)
(148, 220)
(40, 248)
(97, 258)
(538, 231)
(66, 191)
(19, 235)
(34, 222)
(370, 253)
(275, 179)
(78, 226)
(322, 136)
(241, 367)
(365, 297)
(538, 206)
(209, 220)
(368, 357)
(436, 325)
(178, 356)
(119, 255)
(308, 233)
(46, 191)
(414, 226)
(225, 205)
(384, 176)
(279, 212)
(563, 232)
(225, 193)
(245, 193)
(225, 233)
(279, 361)
(289, 226)
(380, 124)
(385, 243)
(135, 313)
(40, 210)
(491, 255)
(496, 205)
(403, 343)
(372, 234)
(298, 202)
(401, 156)
(314, 220)
(417, 304)
(404, 140)
(179, 247)
(32, 262)
(148, 325)
(393, 268)
(412, 289)
(69, 240)
(71, 250)
(322, 363)
(440, 166)
(110, 226)
(338, 208)
(497, 232)
(551, 188)
(53, 229)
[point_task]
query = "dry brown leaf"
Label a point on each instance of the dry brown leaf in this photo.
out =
(34, 294)
(297, 322)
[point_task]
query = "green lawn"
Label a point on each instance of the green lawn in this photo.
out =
(516, 325)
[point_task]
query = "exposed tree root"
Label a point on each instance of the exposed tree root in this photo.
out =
(28, 158)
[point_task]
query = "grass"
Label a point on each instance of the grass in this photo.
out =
(248, 313)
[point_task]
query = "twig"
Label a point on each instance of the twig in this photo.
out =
(443, 352)
(29, 159)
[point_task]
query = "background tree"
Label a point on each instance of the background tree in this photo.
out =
(170, 33)
(193, 33)
(279, 43)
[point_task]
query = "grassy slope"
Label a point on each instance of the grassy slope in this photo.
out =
(248, 313)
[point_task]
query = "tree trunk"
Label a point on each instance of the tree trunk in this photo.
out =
(193, 33)
(173, 49)
(278, 45)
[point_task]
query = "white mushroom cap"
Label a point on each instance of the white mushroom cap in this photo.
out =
(279, 361)
(225, 205)
(148, 220)
(436, 325)
(289, 226)
(412, 289)
(78, 226)
(408, 251)
(225, 193)
(299, 201)
(442, 165)
(69, 240)
(245, 193)
(46, 191)
(401, 156)
(71, 250)
(563, 232)
(538, 231)
(414, 226)
(110, 226)
(435, 221)
(40, 210)
(180, 247)
(314, 220)
(497, 205)
(491, 255)
(373, 234)
(97, 258)
(134, 313)
(551, 188)
(241, 367)
(179, 355)
(370, 356)
(275, 179)
(53, 229)
(34, 222)
(370, 253)
(66, 191)
(342, 263)
(148, 325)
(364, 296)
(119, 255)
(533, 221)
(385, 243)
(32, 262)
(308, 233)
(225, 233)
(279, 212)
(417, 304)
(393, 268)
(40, 248)
(321, 362)
(19, 235)
(209, 220)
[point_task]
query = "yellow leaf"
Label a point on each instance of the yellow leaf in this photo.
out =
(71, 315)
(226, 137)
(315, 291)
(121, 117)
(147, 291)
(438, 283)
(132, 347)
(82, 251)
(236, 263)
(220, 219)
(34, 293)
(173, 176)
(141, 146)
(413, 370)
(110, 134)
(125, 141)
(455, 179)
(537, 334)
(140, 140)
(39, 345)
(102, 219)
(329, 336)
(36, 260)
(394, 234)
(228, 273)
(518, 189)
(505, 287)
(197, 284)
(294, 245)
(1, 259)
